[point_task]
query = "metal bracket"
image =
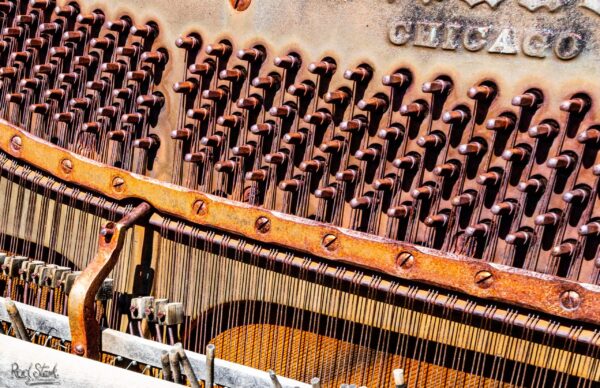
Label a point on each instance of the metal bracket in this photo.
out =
(85, 330)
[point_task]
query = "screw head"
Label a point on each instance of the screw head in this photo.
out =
(118, 184)
(262, 225)
(405, 260)
(570, 300)
(67, 166)
(16, 143)
(330, 242)
(484, 279)
(240, 5)
(199, 207)
(79, 350)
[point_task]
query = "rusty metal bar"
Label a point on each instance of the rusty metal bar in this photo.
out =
(506, 284)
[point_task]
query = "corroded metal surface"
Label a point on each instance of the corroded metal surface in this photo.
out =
(524, 288)
(85, 330)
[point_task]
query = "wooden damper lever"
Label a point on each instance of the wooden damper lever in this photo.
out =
(85, 329)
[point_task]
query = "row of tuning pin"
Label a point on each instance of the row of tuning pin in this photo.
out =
(157, 311)
(81, 83)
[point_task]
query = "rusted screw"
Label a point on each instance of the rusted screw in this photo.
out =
(262, 225)
(199, 207)
(79, 349)
(570, 300)
(330, 242)
(118, 184)
(405, 260)
(67, 166)
(108, 231)
(240, 5)
(16, 143)
(484, 279)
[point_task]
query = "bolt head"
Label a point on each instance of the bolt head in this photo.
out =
(79, 350)
(570, 300)
(67, 166)
(118, 184)
(405, 260)
(330, 242)
(262, 225)
(484, 279)
(16, 143)
(199, 207)
(240, 5)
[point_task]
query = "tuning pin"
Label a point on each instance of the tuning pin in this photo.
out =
(212, 140)
(590, 229)
(518, 154)
(526, 100)
(290, 185)
(218, 49)
(251, 55)
(256, 176)
(518, 238)
(243, 150)
(359, 74)
(457, 117)
(390, 134)
(481, 92)
(362, 203)
(408, 162)
(202, 69)
(326, 193)
(477, 230)
(546, 130)
(414, 109)
(474, 148)
(262, 129)
(579, 195)
(301, 90)
(396, 80)
(181, 134)
(94, 18)
(354, 125)
(80, 103)
(113, 68)
(349, 175)
(466, 199)
(195, 157)
(532, 186)
(332, 147)
(275, 158)
(436, 221)
(225, 166)
(41, 4)
(549, 218)
(91, 127)
(150, 100)
(132, 118)
(323, 68)
(369, 154)
(146, 143)
(268, 82)
(294, 138)
(423, 192)
(400, 211)
(373, 104)
(311, 166)
(565, 249)
(128, 51)
(574, 105)
(107, 111)
(189, 42)
(218, 94)
(490, 178)
(564, 161)
(249, 103)
(42, 109)
(284, 111)
(288, 62)
(596, 170)
(383, 184)
(501, 123)
(318, 118)
(233, 75)
(15, 98)
(120, 26)
(432, 141)
(438, 86)
(338, 97)
(589, 136)
(504, 208)
(446, 170)
(123, 93)
(229, 121)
